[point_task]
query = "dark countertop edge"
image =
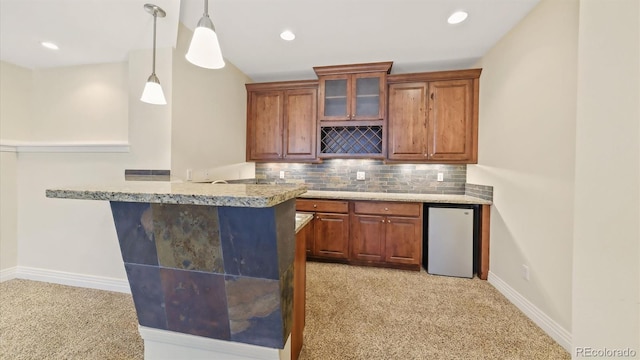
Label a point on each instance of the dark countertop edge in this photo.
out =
(410, 197)
(182, 199)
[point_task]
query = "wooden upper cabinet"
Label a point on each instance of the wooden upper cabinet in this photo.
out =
(407, 132)
(433, 117)
(450, 123)
(299, 133)
(281, 121)
(264, 125)
(352, 92)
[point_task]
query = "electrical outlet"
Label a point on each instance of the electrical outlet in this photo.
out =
(440, 177)
(525, 272)
(189, 174)
(360, 175)
(281, 174)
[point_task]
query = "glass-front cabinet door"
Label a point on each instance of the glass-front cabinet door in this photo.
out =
(368, 90)
(352, 92)
(335, 102)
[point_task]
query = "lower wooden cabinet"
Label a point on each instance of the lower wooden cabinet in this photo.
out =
(368, 240)
(403, 243)
(330, 224)
(331, 235)
(375, 233)
(299, 286)
(387, 233)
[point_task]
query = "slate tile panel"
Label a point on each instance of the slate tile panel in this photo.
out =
(196, 303)
(148, 298)
(187, 237)
(134, 227)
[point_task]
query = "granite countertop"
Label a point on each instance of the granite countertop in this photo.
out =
(238, 195)
(407, 197)
(302, 219)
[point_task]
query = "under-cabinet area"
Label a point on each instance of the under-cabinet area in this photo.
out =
(362, 111)
(381, 233)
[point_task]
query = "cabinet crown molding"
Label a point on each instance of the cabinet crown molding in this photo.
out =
(434, 76)
(279, 85)
(353, 68)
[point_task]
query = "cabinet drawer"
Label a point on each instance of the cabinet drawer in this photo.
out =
(330, 206)
(387, 208)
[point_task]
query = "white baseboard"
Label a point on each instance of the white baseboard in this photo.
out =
(8, 274)
(548, 325)
(169, 345)
(72, 279)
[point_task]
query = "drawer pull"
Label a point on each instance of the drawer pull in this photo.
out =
(386, 209)
(388, 221)
(382, 220)
(315, 206)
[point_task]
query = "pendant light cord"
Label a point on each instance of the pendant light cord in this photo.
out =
(153, 65)
(206, 8)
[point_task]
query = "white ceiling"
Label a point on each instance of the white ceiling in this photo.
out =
(414, 34)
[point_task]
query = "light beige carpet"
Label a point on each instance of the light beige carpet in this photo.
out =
(369, 313)
(352, 313)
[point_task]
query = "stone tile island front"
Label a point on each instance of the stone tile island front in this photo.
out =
(210, 267)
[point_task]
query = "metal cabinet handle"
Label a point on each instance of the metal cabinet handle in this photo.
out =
(315, 206)
(386, 209)
(382, 221)
(388, 221)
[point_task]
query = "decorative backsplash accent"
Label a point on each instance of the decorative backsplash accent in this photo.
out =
(340, 175)
(480, 191)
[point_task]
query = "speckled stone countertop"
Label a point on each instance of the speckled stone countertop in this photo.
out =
(406, 197)
(236, 195)
(302, 219)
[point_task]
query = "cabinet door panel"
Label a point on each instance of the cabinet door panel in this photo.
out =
(334, 97)
(331, 235)
(450, 120)
(407, 133)
(334, 206)
(264, 135)
(367, 98)
(300, 124)
(403, 240)
(387, 208)
(367, 240)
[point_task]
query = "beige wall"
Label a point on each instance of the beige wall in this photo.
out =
(526, 151)
(209, 114)
(15, 95)
(80, 103)
(8, 211)
(77, 238)
(606, 281)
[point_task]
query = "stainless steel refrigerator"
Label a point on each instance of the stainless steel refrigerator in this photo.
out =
(450, 241)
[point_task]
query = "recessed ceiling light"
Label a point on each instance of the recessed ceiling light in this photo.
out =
(49, 45)
(457, 17)
(287, 35)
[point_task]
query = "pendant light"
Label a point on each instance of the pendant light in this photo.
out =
(152, 92)
(204, 50)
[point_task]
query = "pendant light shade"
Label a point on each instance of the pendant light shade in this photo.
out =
(152, 93)
(204, 50)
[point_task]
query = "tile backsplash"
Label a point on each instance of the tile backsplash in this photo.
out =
(340, 175)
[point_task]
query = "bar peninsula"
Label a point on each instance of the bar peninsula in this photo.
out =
(209, 265)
